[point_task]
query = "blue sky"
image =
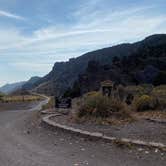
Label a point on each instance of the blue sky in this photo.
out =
(34, 34)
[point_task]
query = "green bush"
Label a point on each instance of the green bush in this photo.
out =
(145, 102)
(92, 93)
(73, 92)
(98, 106)
(159, 92)
(160, 79)
(161, 104)
(144, 89)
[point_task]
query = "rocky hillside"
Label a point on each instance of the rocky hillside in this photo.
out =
(30, 84)
(125, 63)
(64, 74)
(146, 66)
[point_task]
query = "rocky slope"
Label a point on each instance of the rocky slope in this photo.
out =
(132, 64)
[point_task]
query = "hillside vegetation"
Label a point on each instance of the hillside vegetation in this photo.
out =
(146, 66)
(93, 106)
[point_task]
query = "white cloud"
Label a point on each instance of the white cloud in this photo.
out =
(10, 37)
(98, 32)
(11, 15)
(130, 25)
(33, 67)
(94, 27)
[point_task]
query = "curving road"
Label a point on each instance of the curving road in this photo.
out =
(24, 143)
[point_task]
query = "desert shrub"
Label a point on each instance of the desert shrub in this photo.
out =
(144, 89)
(147, 88)
(159, 92)
(25, 98)
(162, 104)
(160, 79)
(98, 106)
(92, 93)
(145, 102)
(121, 92)
(50, 104)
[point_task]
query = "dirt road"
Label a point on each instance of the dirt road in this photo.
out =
(22, 144)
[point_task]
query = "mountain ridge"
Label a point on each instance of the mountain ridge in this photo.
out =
(9, 88)
(22, 85)
(64, 74)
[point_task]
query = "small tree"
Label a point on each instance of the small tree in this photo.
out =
(116, 60)
(73, 92)
(121, 93)
(160, 79)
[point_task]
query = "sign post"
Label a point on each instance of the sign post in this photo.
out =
(64, 103)
(107, 87)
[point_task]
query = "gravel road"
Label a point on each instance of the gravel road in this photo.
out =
(22, 143)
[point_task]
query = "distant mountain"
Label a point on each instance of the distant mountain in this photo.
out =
(30, 84)
(124, 63)
(17, 87)
(9, 88)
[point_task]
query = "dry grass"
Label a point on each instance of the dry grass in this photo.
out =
(148, 100)
(102, 110)
(50, 104)
(152, 114)
(102, 121)
(8, 99)
(144, 103)
(139, 90)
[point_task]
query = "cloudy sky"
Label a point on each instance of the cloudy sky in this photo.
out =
(34, 34)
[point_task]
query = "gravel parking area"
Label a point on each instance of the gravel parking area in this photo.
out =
(141, 129)
(25, 142)
(17, 105)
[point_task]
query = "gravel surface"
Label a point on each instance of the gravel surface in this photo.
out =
(26, 143)
(17, 105)
(141, 129)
